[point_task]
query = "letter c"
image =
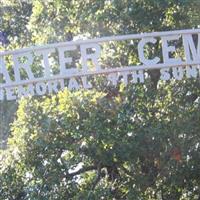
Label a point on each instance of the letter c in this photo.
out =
(142, 58)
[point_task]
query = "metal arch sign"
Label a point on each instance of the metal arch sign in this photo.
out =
(22, 63)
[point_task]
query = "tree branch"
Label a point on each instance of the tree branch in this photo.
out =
(82, 170)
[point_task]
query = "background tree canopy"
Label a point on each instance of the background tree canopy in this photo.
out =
(135, 142)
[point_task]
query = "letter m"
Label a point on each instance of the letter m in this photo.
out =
(192, 51)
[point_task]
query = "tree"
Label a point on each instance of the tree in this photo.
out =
(13, 34)
(134, 142)
(86, 145)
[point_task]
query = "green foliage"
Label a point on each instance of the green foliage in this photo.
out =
(14, 18)
(108, 17)
(135, 142)
(90, 145)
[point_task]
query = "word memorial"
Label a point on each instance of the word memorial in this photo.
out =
(32, 71)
